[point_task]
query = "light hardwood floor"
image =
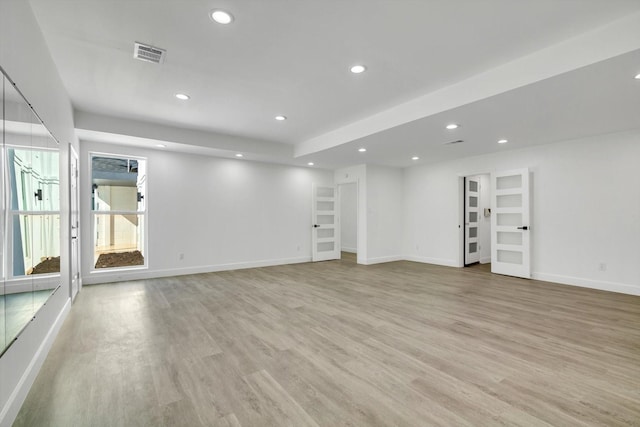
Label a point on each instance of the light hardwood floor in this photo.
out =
(338, 344)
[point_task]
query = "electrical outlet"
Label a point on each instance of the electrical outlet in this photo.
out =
(298, 248)
(602, 266)
(181, 257)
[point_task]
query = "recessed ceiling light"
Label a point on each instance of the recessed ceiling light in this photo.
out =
(502, 141)
(310, 163)
(637, 77)
(362, 150)
(221, 17)
(415, 158)
(239, 155)
(357, 69)
(182, 96)
(281, 118)
(453, 126)
(161, 146)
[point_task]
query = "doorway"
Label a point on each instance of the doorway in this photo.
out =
(477, 220)
(348, 205)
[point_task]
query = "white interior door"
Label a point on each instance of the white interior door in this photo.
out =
(510, 223)
(75, 223)
(325, 233)
(472, 220)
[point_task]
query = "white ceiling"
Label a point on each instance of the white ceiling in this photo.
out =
(293, 57)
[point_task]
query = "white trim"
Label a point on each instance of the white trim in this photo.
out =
(115, 276)
(144, 214)
(361, 223)
(23, 286)
(29, 283)
(485, 260)
(120, 276)
(350, 250)
(436, 261)
(383, 259)
(623, 288)
(19, 394)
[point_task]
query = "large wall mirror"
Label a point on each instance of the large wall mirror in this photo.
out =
(30, 214)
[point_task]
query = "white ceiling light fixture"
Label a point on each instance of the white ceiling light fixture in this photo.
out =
(281, 118)
(502, 141)
(358, 69)
(182, 96)
(221, 17)
(161, 146)
(637, 77)
(452, 126)
(362, 150)
(415, 158)
(310, 164)
(239, 155)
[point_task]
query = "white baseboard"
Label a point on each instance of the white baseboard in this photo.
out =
(380, 260)
(30, 283)
(19, 394)
(97, 277)
(350, 250)
(485, 260)
(622, 288)
(436, 261)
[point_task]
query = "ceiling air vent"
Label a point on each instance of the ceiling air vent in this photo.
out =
(458, 141)
(144, 52)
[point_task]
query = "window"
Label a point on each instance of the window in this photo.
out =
(118, 211)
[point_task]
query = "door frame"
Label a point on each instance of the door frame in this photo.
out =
(461, 217)
(361, 240)
(467, 223)
(339, 186)
(73, 154)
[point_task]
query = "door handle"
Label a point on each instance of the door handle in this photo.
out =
(524, 227)
(315, 226)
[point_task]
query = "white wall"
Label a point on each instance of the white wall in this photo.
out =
(380, 203)
(585, 210)
(349, 217)
(384, 214)
(220, 213)
(25, 58)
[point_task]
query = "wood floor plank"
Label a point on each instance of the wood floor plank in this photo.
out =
(339, 344)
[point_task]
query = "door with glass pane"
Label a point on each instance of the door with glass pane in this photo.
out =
(325, 233)
(472, 220)
(510, 224)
